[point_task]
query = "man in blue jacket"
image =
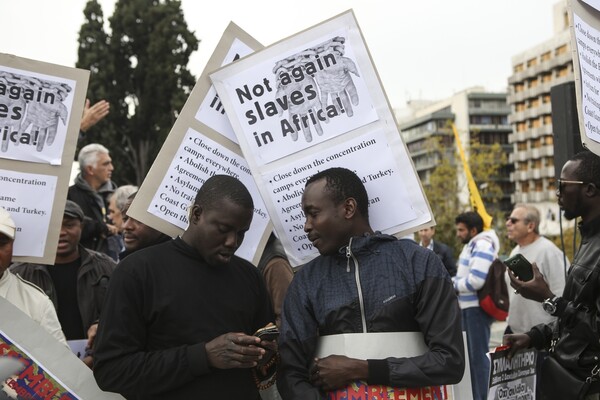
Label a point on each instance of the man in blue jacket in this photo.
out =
(364, 281)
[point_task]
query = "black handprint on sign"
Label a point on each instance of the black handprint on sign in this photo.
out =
(335, 82)
(44, 119)
(305, 112)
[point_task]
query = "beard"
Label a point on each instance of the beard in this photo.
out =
(569, 214)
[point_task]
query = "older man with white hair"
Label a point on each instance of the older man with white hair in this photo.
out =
(25, 296)
(91, 191)
(522, 227)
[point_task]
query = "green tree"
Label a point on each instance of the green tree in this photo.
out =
(142, 71)
(441, 189)
(486, 163)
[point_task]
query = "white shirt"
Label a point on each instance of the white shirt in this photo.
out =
(524, 314)
(32, 301)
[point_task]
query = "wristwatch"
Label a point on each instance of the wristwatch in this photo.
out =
(550, 305)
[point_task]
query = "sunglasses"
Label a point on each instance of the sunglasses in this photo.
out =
(512, 220)
(561, 182)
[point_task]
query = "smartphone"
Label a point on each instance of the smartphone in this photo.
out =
(268, 333)
(520, 267)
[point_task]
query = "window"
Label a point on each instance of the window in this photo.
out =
(546, 56)
(534, 103)
(518, 68)
(519, 87)
(531, 62)
(546, 98)
(564, 71)
(533, 82)
(547, 119)
(521, 146)
(561, 50)
(520, 106)
(521, 126)
(536, 123)
(547, 77)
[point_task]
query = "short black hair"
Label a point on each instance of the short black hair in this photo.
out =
(219, 187)
(471, 220)
(588, 169)
(342, 183)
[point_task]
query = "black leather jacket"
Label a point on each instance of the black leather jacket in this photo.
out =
(578, 323)
(92, 282)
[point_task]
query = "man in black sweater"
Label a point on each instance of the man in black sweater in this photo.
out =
(179, 316)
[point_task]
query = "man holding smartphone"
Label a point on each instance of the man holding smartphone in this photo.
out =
(574, 337)
(522, 227)
(179, 317)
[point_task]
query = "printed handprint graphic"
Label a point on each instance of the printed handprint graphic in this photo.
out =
(312, 82)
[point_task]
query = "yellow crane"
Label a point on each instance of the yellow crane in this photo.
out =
(474, 196)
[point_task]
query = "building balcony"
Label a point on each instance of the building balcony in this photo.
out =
(490, 127)
(540, 89)
(537, 70)
(518, 176)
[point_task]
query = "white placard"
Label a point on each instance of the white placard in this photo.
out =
(197, 159)
(314, 101)
(28, 199)
(34, 111)
(211, 111)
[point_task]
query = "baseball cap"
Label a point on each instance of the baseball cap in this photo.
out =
(7, 225)
(73, 210)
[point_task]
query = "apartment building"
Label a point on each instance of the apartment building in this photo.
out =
(535, 72)
(474, 112)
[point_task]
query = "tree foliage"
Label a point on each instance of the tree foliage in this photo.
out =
(485, 162)
(140, 67)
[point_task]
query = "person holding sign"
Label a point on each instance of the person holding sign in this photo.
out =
(364, 282)
(179, 316)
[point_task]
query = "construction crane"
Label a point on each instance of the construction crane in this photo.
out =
(474, 196)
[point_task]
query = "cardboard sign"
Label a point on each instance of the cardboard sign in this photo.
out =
(585, 41)
(311, 102)
(40, 110)
(200, 145)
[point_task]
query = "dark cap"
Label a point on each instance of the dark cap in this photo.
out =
(73, 210)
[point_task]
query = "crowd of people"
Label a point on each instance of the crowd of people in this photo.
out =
(175, 317)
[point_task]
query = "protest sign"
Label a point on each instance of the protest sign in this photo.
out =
(200, 145)
(515, 378)
(49, 369)
(311, 102)
(381, 345)
(40, 111)
(585, 41)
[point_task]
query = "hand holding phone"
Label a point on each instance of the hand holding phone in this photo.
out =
(268, 333)
(520, 267)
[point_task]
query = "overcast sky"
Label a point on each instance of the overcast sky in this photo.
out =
(421, 49)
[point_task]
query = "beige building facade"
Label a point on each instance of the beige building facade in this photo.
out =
(535, 72)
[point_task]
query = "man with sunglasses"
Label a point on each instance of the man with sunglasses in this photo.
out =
(522, 227)
(574, 338)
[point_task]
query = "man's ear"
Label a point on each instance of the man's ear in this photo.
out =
(195, 213)
(473, 232)
(350, 207)
(592, 190)
(89, 170)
